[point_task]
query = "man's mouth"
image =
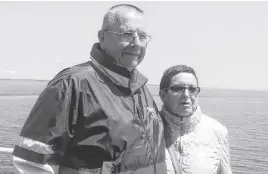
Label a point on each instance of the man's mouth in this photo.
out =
(132, 54)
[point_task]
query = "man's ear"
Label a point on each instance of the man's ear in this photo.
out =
(162, 95)
(101, 38)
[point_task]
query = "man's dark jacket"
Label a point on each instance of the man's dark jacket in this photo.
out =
(93, 114)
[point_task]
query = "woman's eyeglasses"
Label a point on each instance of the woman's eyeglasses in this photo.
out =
(193, 90)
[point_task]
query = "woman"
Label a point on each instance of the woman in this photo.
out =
(196, 143)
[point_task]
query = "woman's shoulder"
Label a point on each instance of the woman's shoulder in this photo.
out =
(215, 125)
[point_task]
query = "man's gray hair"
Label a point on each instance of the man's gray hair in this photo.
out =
(116, 13)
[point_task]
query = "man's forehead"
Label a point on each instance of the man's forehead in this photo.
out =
(130, 21)
(131, 27)
(124, 12)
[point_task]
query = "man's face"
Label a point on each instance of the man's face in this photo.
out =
(181, 103)
(126, 52)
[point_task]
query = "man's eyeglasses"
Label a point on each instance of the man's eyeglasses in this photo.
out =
(128, 36)
(193, 90)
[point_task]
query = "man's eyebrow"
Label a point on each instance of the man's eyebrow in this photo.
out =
(123, 27)
(141, 31)
(127, 29)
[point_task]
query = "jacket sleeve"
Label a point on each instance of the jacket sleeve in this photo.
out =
(169, 164)
(46, 132)
(225, 164)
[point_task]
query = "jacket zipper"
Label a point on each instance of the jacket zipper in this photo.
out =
(181, 137)
(147, 139)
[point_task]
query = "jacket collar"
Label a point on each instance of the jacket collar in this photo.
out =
(177, 126)
(119, 75)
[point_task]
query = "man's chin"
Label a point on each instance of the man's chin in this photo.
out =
(131, 64)
(131, 67)
(131, 59)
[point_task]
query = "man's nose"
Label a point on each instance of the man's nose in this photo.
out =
(136, 40)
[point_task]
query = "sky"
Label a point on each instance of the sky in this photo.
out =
(225, 42)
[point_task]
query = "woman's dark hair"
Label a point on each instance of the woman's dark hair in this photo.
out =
(172, 71)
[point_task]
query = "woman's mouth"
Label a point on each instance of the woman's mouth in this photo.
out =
(185, 103)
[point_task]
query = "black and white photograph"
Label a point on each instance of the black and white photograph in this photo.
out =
(133, 87)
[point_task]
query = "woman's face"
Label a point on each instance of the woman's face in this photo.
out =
(182, 95)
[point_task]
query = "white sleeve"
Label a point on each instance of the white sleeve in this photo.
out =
(225, 167)
(28, 167)
(169, 164)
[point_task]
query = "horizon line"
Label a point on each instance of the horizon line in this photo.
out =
(234, 89)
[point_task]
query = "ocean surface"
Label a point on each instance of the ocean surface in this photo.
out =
(244, 113)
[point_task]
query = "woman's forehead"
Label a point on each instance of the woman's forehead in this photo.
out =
(183, 78)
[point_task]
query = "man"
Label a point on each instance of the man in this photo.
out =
(98, 117)
(196, 143)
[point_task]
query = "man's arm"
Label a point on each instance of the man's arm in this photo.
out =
(29, 167)
(45, 133)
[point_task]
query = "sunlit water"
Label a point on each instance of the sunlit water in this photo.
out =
(245, 117)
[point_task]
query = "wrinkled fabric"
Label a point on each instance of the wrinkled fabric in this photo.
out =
(93, 114)
(199, 143)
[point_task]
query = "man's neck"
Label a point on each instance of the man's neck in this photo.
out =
(112, 59)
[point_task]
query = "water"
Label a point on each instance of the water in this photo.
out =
(244, 113)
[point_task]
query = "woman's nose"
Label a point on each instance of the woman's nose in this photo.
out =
(186, 93)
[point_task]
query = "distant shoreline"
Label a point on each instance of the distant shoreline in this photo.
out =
(154, 85)
(18, 96)
(35, 80)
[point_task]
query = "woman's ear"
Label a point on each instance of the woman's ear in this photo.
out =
(162, 95)
(101, 38)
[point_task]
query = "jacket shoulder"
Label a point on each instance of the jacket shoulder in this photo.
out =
(72, 75)
(217, 127)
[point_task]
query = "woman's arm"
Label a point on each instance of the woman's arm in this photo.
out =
(225, 165)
